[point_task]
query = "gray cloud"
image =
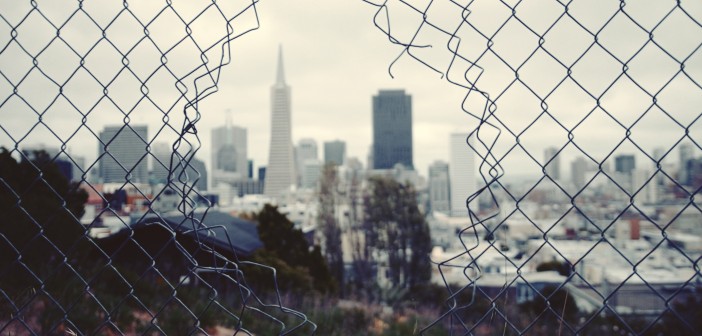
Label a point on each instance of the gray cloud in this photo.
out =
(336, 59)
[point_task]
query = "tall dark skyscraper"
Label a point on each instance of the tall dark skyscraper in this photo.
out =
(392, 129)
(625, 163)
(127, 158)
(335, 152)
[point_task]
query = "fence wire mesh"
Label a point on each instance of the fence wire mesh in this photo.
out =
(74, 71)
(613, 86)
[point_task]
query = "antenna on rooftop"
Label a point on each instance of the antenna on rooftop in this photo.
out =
(228, 117)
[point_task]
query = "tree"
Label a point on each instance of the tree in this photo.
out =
(362, 277)
(563, 268)
(326, 218)
(40, 208)
(393, 225)
(286, 249)
(553, 307)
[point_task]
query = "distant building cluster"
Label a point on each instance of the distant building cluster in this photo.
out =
(128, 159)
(576, 203)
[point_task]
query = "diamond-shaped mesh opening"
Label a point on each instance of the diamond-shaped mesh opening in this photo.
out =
(567, 41)
(487, 18)
(670, 95)
(668, 134)
(548, 9)
(603, 65)
(622, 38)
(30, 89)
(41, 32)
(124, 32)
(511, 34)
(640, 71)
(165, 21)
(623, 100)
(64, 119)
(664, 34)
(501, 76)
(22, 66)
(69, 61)
(104, 51)
(592, 18)
(549, 72)
(80, 32)
(84, 91)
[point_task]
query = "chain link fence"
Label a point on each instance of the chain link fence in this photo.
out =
(610, 87)
(607, 91)
(75, 73)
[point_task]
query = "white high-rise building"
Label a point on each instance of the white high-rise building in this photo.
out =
(439, 187)
(686, 155)
(280, 173)
(160, 162)
(311, 172)
(229, 153)
(553, 163)
(461, 173)
(649, 189)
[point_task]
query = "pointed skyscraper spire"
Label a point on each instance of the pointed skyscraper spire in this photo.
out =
(280, 174)
(280, 79)
(228, 118)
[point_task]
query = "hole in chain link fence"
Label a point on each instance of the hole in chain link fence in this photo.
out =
(585, 217)
(596, 103)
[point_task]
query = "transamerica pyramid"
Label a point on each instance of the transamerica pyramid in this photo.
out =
(280, 174)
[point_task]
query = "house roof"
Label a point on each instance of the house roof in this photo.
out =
(228, 234)
(221, 229)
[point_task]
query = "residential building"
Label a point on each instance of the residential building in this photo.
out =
(439, 187)
(461, 172)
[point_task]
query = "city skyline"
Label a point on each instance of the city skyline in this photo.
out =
(332, 93)
(506, 144)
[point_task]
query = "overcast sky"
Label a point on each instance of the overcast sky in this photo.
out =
(336, 59)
